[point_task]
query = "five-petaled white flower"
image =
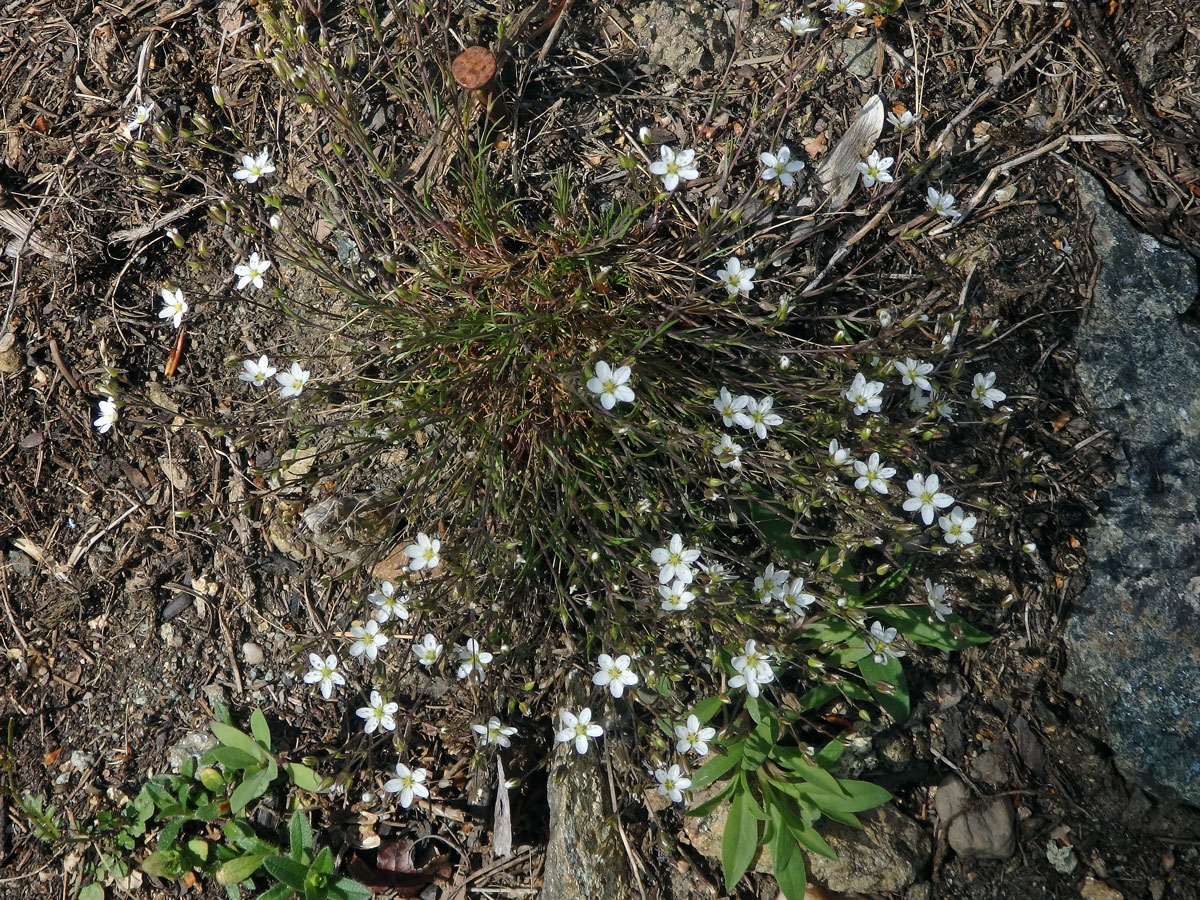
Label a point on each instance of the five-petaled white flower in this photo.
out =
(428, 652)
(729, 406)
(578, 728)
(874, 169)
(292, 381)
(424, 554)
(674, 167)
(923, 495)
(174, 306)
(691, 736)
(391, 605)
(494, 732)
(367, 640)
(254, 167)
(611, 384)
(797, 26)
(408, 783)
(838, 455)
(880, 644)
(672, 783)
(675, 596)
(675, 560)
(141, 116)
(757, 416)
(914, 372)
(257, 373)
(737, 280)
(771, 584)
(378, 714)
(936, 597)
(324, 673)
(983, 392)
(251, 272)
(753, 669)
(865, 395)
(941, 203)
(780, 164)
(901, 122)
(109, 413)
(873, 474)
(796, 599)
(848, 8)
(471, 658)
(728, 453)
(957, 527)
(614, 673)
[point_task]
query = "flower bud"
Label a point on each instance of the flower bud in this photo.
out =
(211, 779)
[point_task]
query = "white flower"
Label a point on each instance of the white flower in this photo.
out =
(957, 527)
(914, 373)
(409, 783)
(729, 406)
(753, 669)
(728, 453)
(471, 659)
(865, 395)
(174, 306)
(736, 279)
(611, 384)
(757, 417)
(292, 381)
(873, 474)
(780, 163)
(251, 272)
(494, 732)
(378, 714)
(771, 584)
(254, 167)
(880, 644)
(141, 116)
(672, 783)
(796, 599)
(109, 413)
(675, 560)
(942, 204)
(614, 673)
(924, 496)
(368, 640)
(716, 573)
(941, 407)
(797, 26)
(875, 169)
(691, 736)
(848, 8)
(424, 554)
(324, 672)
(257, 373)
(644, 135)
(391, 605)
(577, 728)
(674, 167)
(902, 122)
(838, 455)
(936, 597)
(983, 392)
(676, 596)
(428, 652)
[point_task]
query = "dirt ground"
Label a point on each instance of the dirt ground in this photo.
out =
(128, 587)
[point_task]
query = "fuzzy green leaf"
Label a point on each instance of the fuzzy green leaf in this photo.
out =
(238, 869)
(740, 841)
(300, 837)
(894, 701)
(348, 889)
(233, 737)
(231, 758)
(260, 729)
(252, 788)
(290, 872)
(303, 777)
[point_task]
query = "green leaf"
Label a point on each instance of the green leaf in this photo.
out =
(718, 766)
(240, 868)
(706, 709)
(300, 837)
(255, 785)
(703, 809)
(760, 743)
(169, 834)
(915, 623)
(233, 737)
(758, 709)
(740, 841)
(161, 797)
(287, 870)
(303, 777)
(277, 891)
(830, 753)
(348, 889)
(93, 891)
(895, 701)
(260, 729)
(787, 860)
(324, 862)
(798, 762)
(817, 697)
(162, 864)
(198, 847)
(230, 757)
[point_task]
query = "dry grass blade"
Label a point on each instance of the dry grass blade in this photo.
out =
(24, 236)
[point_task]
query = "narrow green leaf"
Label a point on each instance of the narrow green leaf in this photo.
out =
(348, 889)
(290, 872)
(706, 709)
(260, 729)
(252, 788)
(718, 766)
(895, 701)
(303, 777)
(740, 841)
(230, 757)
(240, 868)
(916, 624)
(788, 862)
(277, 891)
(324, 862)
(703, 809)
(233, 737)
(300, 837)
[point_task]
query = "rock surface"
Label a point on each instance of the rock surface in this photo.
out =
(976, 828)
(1133, 639)
(685, 38)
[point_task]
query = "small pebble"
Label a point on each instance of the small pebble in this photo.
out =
(252, 653)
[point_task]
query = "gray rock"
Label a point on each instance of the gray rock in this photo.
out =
(886, 856)
(684, 37)
(984, 828)
(1134, 648)
(194, 744)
